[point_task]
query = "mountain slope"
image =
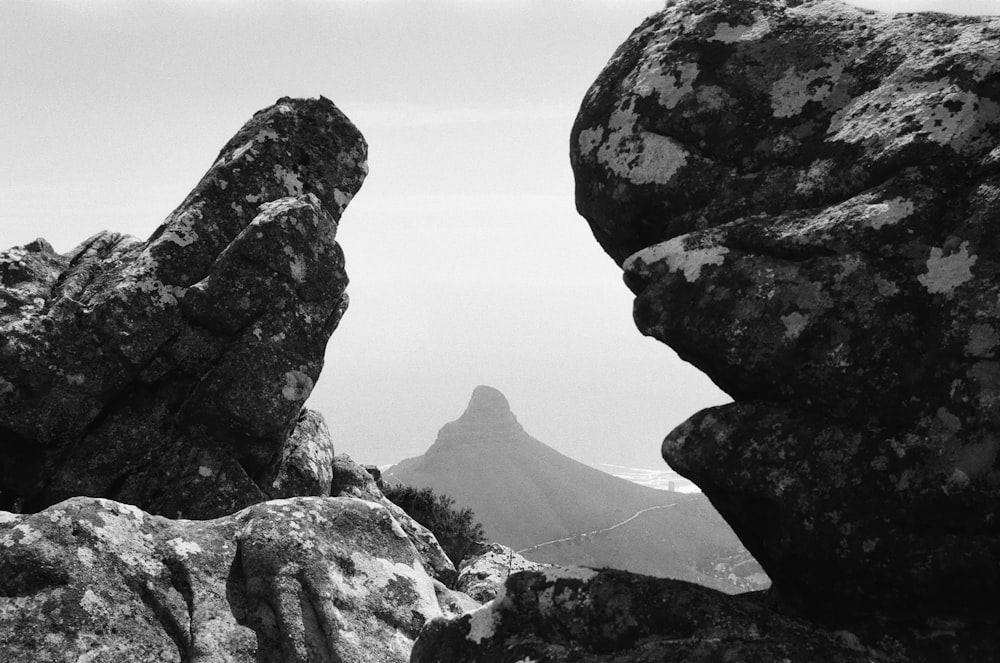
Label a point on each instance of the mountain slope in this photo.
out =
(526, 493)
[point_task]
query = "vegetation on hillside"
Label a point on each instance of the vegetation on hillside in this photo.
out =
(456, 529)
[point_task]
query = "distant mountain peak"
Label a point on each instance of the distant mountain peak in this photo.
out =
(487, 419)
(487, 403)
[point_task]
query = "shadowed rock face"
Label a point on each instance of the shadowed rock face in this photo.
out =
(803, 196)
(171, 373)
(566, 615)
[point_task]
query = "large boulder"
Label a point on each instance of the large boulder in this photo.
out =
(802, 196)
(300, 579)
(171, 373)
(577, 615)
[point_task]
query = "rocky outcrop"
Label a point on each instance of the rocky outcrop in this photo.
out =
(482, 575)
(171, 373)
(802, 196)
(579, 615)
(301, 579)
(353, 480)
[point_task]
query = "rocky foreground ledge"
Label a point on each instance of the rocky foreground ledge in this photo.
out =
(170, 374)
(345, 578)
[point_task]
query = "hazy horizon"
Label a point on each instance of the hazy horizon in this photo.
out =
(468, 262)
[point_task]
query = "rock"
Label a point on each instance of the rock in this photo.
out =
(306, 465)
(353, 480)
(483, 573)
(301, 579)
(579, 615)
(802, 196)
(376, 473)
(171, 373)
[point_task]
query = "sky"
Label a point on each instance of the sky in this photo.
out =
(468, 262)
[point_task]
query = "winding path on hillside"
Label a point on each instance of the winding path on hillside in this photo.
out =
(596, 531)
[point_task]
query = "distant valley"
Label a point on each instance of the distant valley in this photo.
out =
(554, 509)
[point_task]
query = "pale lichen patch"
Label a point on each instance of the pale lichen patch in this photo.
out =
(947, 272)
(28, 536)
(341, 198)
(791, 92)
(484, 621)
(640, 156)
(887, 213)
(711, 97)
(670, 85)
(297, 386)
(296, 265)
(895, 115)
(90, 602)
(794, 323)
(983, 339)
(729, 34)
(184, 548)
(8, 517)
(677, 258)
(590, 139)
(181, 230)
(241, 150)
(85, 555)
(289, 179)
(885, 287)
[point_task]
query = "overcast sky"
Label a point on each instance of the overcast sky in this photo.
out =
(468, 262)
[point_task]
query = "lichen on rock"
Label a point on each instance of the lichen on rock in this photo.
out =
(826, 254)
(300, 579)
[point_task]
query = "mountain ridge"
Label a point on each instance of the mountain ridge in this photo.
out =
(525, 493)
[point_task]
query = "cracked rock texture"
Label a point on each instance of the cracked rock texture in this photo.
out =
(576, 615)
(286, 581)
(171, 373)
(803, 197)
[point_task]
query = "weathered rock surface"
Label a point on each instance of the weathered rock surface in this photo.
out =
(171, 373)
(483, 574)
(301, 579)
(353, 480)
(579, 615)
(803, 197)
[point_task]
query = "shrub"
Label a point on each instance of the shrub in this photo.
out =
(456, 529)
